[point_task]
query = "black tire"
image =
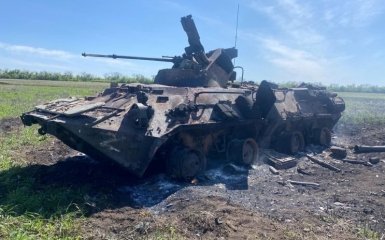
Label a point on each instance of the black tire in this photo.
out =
(244, 152)
(245, 106)
(297, 142)
(291, 142)
(185, 163)
(322, 136)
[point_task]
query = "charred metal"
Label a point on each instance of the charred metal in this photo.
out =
(191, 114)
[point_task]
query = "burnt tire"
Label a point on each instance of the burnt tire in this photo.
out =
(322, 136)
(244, 152)
(245, 106)
(185, 164)
(292, 142)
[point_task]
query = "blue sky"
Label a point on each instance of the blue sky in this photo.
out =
(323, 41)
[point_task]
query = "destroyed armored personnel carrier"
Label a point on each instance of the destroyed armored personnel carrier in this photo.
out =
(296, 117)
(192, 111)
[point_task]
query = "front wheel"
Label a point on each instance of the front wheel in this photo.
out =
(184, 163)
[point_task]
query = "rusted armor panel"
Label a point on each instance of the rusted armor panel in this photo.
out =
(193, 112)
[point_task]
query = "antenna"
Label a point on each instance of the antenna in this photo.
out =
(236, 28)
(236, 32)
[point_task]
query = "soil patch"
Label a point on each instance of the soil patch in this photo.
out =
(10, 124)
(229, 202)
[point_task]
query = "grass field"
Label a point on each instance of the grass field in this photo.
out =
(18, 96)
(49, 212)
(26, 212)
(363, 108)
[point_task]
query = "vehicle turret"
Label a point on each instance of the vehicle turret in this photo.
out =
(194, 68)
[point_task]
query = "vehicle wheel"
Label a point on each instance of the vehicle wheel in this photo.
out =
(295, 142)
(185, 163)
(245, 152)
(322, 136)
(245, 106)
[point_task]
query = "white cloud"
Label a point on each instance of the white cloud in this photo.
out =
(173, 5)
(301, 64)
(286, 13)
(43, 59)
(353, 13)
(36, 51)
(6, 62)
(210, 21)
(54, 55)
(291, 14)
(295, 19)
(315, 35)
(294, 9)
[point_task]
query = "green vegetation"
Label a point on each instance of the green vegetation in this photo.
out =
(363, 108)
(362, 88)
(18, 98)
(367, 233)
(117, 77)
(68, 76)
(32, 209)
(28, 208)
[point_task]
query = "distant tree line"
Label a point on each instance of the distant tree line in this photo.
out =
(343, 88)
(68, 76)
(357, 88)
(117, 77)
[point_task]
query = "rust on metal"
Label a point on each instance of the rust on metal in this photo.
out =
(192, 113)
(368, 149)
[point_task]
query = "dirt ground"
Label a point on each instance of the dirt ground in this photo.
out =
(228, 202)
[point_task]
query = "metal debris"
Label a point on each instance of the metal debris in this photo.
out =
(338, 152)
(323, 164)
(374, 160)
(310, 184)
(273, 170)
(368, 149)
(365, 163)
(279, 160)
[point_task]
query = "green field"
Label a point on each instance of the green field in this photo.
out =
(31, 211)
(26, 212)
(362, 108)
(18, 96)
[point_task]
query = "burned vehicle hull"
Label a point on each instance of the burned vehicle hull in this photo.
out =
(192, 112)
(298, 116)
(137, 125)
(187, 114)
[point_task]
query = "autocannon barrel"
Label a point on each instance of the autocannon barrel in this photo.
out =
(114, 56)
(368, 149)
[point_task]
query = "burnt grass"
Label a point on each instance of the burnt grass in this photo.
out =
(226, 202)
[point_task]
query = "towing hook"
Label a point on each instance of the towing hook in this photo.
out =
(42, 131)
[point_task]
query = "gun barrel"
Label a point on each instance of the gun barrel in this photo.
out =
(114, 56)
(368, 149)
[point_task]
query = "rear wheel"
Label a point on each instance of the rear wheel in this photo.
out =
(184, 163)
(297, 142)
(245, 152)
